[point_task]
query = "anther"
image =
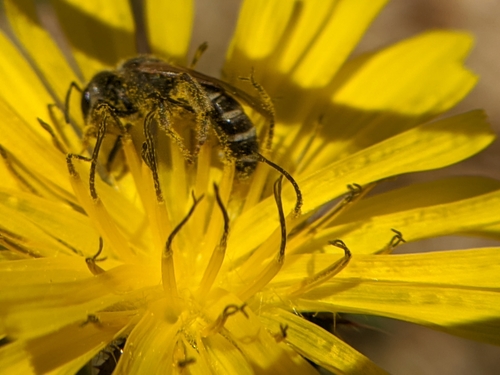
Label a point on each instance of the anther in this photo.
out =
(91, 261)
(355, 191)
(91, 318)
(218, 254)
(186, 362)
(55, 140)
(168, 269)
(298, 193)
(168, 245)
(268, 273)
(7, 158)
(282, 334)
(396, 240)
(219, 323)
(322, 276)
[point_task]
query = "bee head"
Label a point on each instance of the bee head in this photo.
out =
(109, 88)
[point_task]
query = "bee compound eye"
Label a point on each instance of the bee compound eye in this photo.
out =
(85, 103)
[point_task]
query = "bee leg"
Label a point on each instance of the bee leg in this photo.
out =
(101, 115)
(162, 114)
(199, 101)
(268, 107)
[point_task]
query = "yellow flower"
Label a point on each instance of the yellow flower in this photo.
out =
(98, 256)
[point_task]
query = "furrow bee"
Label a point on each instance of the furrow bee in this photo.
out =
(147, 85)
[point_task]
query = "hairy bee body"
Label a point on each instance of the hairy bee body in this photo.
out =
(146, 79)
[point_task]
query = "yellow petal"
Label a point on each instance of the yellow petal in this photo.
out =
(307, 40)
(340, 34)
(169, 25)
(26, 94)
(429, 146)
(474, 268)
(73, 345)
(417, 195)
(149, 348)
(382, 94)
(261, 25)
(29, 311)
(373, 233)
(262, 352)
(40, 46)
(43, 221)
(100, 33)
(318, 345)
(42, 271)
(14, 360)
(453, 291)
(421, 76)
(33, 150)
(464, 312)
(426, 147)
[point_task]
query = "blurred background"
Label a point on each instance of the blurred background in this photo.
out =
(398, 347)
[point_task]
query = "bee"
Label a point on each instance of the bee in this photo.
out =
(144, 87)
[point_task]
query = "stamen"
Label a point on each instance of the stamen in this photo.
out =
(395, 241)
(218, 254)
(321, 277)
(91, 261)
(212, 235)
(356, 192)
(168, 269)
(259, 180)
(218, 324)
(98, 214)
(180, 358)
(91, 318)
(281, 335)
(186, 362)
(306, 230)
(55, 140)
(69, 139)
(203, 169)
(13, 243)
(298, 193)
(264, 277)
(17, 176)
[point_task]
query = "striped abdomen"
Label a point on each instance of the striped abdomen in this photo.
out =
(237, 130)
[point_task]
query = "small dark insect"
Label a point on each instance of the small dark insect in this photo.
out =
(146, 88)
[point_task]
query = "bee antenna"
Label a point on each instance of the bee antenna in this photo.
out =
(197, 55)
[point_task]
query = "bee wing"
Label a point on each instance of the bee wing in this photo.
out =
(165, 69)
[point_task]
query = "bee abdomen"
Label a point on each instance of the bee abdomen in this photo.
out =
(238, 131)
